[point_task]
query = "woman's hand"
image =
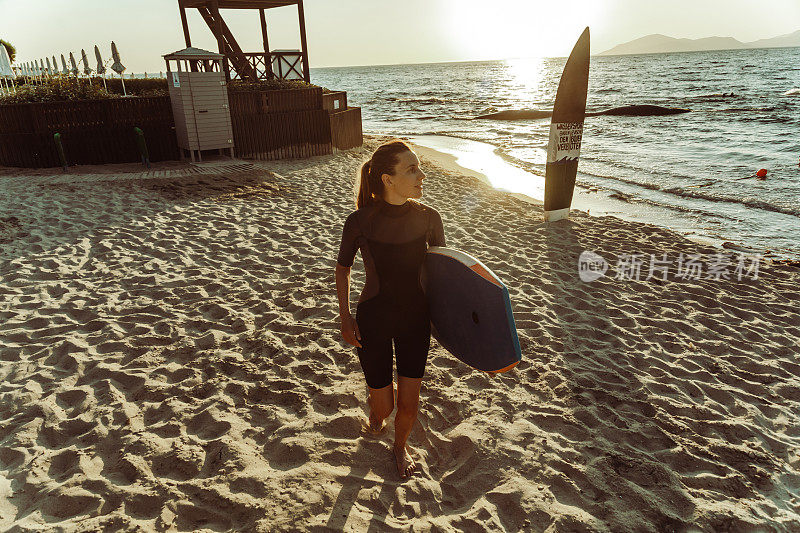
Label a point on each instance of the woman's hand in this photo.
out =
(350, 330)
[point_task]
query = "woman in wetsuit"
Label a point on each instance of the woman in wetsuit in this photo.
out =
(393, 232)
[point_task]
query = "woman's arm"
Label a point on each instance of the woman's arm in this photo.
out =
(437, 230)
(349, 326)
(343, 289)
(347, 253)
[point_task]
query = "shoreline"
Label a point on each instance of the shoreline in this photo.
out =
(583, 201)
(450, 151)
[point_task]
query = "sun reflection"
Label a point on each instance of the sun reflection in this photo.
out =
(526, 72)
(484, 159)
(525, 76)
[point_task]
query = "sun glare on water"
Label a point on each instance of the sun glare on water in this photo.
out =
(526, 74)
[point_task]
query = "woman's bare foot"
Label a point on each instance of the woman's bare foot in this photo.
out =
(372, 429)
(405, 464)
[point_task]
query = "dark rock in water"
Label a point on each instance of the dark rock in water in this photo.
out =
(739, 248)
(628, 111)
(517, 114)
(640, 111)
(620, 196)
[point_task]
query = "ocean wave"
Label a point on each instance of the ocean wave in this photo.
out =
(769, 109)
(704, 195)
(792, 92)
(417, 99)
(627, 197)
(755, 203)
(643, 184)
(714, 96)
(746, 201)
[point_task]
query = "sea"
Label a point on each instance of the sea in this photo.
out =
(691, 172)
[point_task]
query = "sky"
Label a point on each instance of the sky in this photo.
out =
(381, 32)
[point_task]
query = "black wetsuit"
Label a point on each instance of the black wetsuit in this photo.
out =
(393, 240)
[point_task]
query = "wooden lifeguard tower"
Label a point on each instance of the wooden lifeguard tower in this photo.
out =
(250, 65)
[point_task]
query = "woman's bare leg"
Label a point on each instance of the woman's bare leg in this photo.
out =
(381, 405)
(407, 406)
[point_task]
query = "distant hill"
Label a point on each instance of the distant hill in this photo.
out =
(655, 44)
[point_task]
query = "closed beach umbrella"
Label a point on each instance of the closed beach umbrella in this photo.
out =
(101, 69)
(49, 69)
(86, 68)
(64, 69)
(5, 67)
(55, 66)
(74, 69)
(5, 63)
(117, 66)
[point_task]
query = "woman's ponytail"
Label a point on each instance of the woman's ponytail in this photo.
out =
(383, 161)
(364, 194)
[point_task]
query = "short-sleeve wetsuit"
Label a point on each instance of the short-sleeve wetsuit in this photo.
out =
(393, 240)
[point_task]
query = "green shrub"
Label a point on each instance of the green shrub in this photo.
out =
(57, 90)
(136, 86)
(63, 89)
(270, 85)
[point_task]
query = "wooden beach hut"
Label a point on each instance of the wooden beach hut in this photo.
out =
(199, 96)
(250, 65)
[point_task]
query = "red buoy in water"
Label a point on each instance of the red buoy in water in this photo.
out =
(762, 174)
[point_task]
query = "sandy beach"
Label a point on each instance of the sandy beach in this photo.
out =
(170, 360)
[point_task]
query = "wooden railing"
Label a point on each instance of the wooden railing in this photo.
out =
(261, 63)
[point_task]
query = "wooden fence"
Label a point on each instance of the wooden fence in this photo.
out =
(345, 128)
(279, 101)
(296, 134)
(92, 132)
(294, 123)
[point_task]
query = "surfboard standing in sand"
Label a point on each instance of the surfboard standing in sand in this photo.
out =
(566, 132)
